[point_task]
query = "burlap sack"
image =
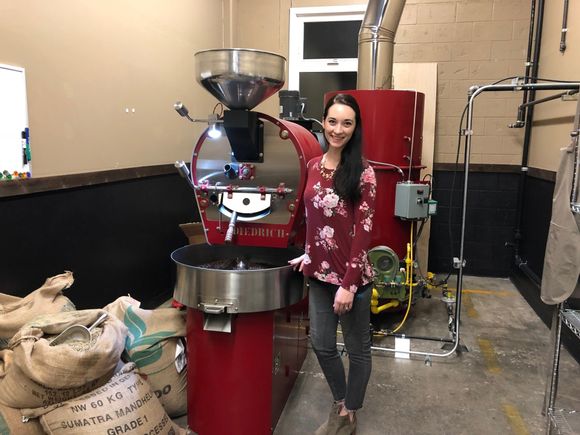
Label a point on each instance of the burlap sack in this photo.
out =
(124, 405)
(155, 343)
(33, 373)
(11, 423)
(15, 311)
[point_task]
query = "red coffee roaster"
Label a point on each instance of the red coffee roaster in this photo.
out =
(246, 310)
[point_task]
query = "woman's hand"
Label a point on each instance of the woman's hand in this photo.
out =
(343, 301)
(298, 262)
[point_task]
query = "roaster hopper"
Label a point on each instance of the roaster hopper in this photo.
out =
(246, 312)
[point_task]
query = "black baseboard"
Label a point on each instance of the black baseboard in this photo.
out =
(490, 220)
(116, 238)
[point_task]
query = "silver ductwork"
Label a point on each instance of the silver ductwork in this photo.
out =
(376, 41)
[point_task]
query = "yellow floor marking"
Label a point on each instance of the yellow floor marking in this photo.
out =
(515, 419)
(489, 355)
(484, 292)
(468, 304)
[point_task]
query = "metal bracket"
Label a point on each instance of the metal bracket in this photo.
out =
(219, 306)
(457, 264)
(570, 96)
(517, 124)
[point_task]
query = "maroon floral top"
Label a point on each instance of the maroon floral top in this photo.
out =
(338, 233)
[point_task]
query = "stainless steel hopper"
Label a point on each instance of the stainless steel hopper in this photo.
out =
(240, 78)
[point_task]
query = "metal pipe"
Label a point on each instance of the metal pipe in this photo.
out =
(238, 189)
(552, 378)
(529, 116)
(523, 266)
(413, 136)
(376, 40)
(184, 172)
(550, 98)
(522, 113)
(231, 227)
(550, 86)
(564, 27)
(574, 203)
(412, 352)
(438, 339)
(378, 165)
(183, 111)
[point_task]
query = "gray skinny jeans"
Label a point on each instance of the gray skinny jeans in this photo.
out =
(356, 334)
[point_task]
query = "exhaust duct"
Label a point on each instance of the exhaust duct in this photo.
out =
(376, 41)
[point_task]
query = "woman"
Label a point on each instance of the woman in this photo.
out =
(339, 200)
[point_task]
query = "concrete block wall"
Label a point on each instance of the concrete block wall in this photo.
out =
(473, 42)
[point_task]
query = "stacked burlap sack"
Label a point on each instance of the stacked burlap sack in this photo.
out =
(35, 374)
(69, 386)
(15, 311)
(125, 405)
(156, 344)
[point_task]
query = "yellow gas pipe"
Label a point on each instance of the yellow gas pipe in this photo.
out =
(409, 278)
(375, 309)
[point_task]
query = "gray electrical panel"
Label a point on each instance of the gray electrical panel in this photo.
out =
(412, 200)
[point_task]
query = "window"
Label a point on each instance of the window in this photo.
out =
(323, 52)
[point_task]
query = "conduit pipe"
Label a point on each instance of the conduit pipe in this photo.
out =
(529, 95)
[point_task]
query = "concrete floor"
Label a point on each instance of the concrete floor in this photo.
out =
(496, 387)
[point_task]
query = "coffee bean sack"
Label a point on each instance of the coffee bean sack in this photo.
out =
(33, 373)
(124, 405)
(156, 344)
(15, 311)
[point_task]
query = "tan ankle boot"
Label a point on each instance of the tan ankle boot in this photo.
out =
(347, 426)
(330, 422)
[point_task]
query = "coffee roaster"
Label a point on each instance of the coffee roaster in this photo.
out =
(246, 313)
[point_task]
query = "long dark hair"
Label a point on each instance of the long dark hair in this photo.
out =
(350, 168)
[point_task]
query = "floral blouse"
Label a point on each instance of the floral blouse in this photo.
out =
(338, 233)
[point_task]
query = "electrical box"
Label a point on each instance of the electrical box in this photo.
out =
(412, 200)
